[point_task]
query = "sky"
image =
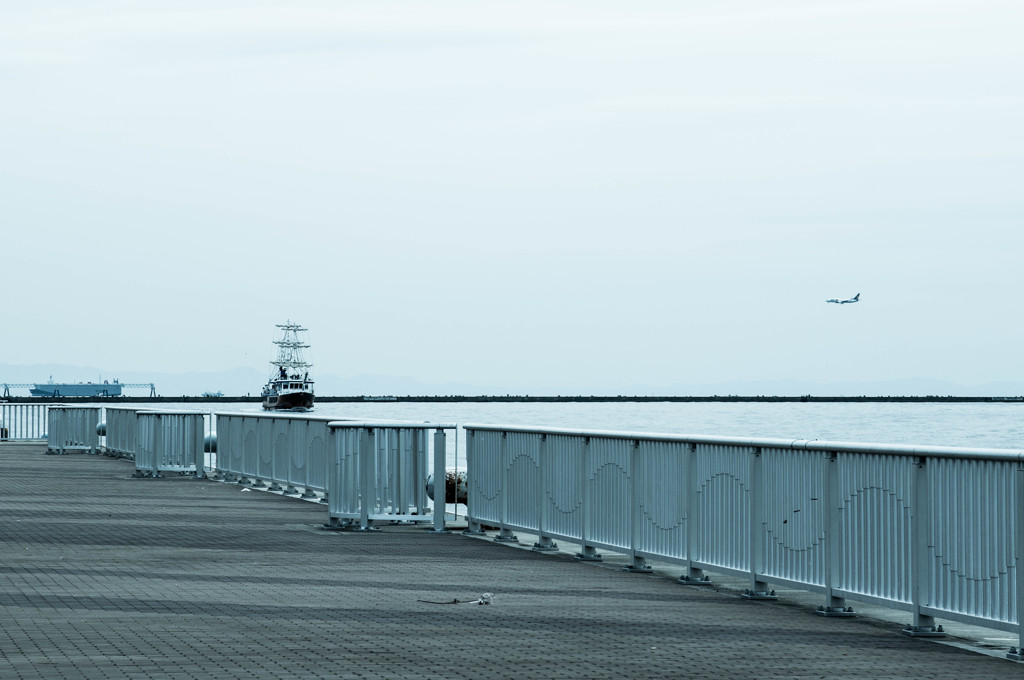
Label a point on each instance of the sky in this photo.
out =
(557, 195)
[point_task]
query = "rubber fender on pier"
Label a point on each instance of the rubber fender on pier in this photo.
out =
(455, 487)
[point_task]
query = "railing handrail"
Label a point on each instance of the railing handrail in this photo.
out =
(296, 416)
(404, 424)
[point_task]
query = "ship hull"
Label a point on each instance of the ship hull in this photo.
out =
(75, 390)
(291, 401)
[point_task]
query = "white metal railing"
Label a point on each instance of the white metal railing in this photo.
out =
(385, 479)
(380, 473)
(72, 428)
(169, 441)
(23, 421)
(121, 427)
(286, 453)
(935, 531)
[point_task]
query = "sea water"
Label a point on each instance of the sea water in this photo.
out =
(997, 425)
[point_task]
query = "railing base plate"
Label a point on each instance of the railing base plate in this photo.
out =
(335, 527)
(924, 631)
(836, 611)
(638, 569)
(758, 595)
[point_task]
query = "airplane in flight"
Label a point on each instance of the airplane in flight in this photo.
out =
(855, 298)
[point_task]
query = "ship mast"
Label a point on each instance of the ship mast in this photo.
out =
(289, 348)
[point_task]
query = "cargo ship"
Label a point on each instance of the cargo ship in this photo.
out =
(86, 389)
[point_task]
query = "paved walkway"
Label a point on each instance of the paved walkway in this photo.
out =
(107, 576)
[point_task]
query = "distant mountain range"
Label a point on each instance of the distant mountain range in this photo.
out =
(249, 381)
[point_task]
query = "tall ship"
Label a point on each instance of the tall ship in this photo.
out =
(289, 387)
(86, 389)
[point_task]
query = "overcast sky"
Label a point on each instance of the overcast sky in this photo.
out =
(522, 194)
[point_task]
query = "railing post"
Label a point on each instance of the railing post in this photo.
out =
(505, 534)
(440, 487)
(472, 524)
(328, 444)
(159, 444)
(417, 488)
(473, 527)
(298, 449)
(391, 450)
(276, 455)
(694, 575)
(834, 605)
(589, 553)
(334, 489)
(1017, 653)
(544, 543)
(758, 588)
(639, 564)
(367, 473)
(920, 574)
(198, 439)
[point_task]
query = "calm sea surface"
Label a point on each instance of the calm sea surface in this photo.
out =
(975, 425)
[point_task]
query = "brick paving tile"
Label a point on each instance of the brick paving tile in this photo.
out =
(106, 576)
